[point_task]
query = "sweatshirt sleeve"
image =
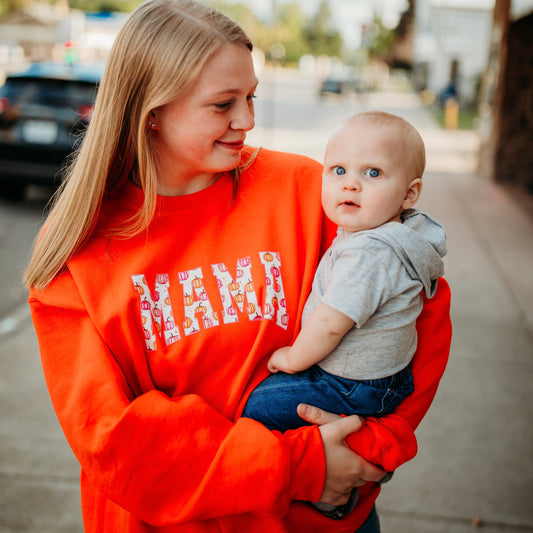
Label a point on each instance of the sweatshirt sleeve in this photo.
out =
(390, 441)
(165, 460)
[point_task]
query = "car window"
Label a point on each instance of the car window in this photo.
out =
(48, 92)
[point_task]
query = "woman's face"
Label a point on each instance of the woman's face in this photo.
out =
(202, 133)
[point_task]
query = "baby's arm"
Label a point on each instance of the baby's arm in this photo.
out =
(320, 334)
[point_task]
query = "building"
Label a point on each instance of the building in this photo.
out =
(450, 46)
(44, 32)
(506, 107)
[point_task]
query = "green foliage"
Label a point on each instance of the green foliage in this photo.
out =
(92, 6)
(241, 14)
(96, 6)
(381, 40)
(321, 37)
(467, 117)
(238, 12)
(290, 21)
(8, 6)
(289, 27)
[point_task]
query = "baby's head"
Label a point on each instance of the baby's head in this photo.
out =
(373, 170)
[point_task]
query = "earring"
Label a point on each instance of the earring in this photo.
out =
(152, 124)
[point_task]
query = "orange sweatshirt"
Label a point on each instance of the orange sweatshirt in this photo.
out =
(151, 345)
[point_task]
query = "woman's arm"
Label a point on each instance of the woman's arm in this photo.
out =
(390, 441)
(166, 460)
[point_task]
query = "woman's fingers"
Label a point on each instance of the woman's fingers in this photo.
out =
(343, 426)
(344, 468)
(317, 416)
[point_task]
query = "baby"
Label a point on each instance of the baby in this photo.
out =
(358, 336)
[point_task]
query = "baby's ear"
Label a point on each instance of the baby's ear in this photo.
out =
(413, 193)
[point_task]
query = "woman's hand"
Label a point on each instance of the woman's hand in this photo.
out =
(344, 468)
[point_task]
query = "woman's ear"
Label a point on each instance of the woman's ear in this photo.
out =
(152, 123)
(413, 193)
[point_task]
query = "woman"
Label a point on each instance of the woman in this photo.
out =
(175, 260)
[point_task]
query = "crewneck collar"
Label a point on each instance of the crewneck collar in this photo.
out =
(222, 188)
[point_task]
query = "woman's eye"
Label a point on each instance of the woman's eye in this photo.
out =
(223, 105)
(339, 171)
(372, 173)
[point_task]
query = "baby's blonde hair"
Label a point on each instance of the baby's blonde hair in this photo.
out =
(415, 151)
(157, 55)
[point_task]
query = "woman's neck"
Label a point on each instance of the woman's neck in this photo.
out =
(183, 187)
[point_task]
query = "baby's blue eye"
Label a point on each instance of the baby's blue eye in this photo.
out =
(340, 171)
(372, 173)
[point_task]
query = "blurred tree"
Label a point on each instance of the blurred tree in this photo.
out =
(381, 40)
(402, 52)
(290, 21)
(105, 5)
(284, 28)
(241, 14)
(8, 6)
(288, 26)
(320, 34)
(407, 17)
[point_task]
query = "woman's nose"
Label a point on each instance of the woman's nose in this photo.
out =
(244, 118)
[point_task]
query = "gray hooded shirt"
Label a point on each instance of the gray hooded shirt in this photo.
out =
(376, 277)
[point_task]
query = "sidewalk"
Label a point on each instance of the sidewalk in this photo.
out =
(476, 444)
(475, 460)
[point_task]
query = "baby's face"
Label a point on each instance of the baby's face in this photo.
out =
(366, 175)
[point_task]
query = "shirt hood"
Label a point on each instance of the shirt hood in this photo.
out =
(420, 243)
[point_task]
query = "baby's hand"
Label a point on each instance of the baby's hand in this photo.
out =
(278, 361)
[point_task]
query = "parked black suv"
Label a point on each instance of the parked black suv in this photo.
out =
(43, 114)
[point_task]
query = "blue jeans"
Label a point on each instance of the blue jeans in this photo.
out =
(275, 400)
(371, 524)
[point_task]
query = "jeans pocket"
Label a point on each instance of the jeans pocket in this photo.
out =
(390, 402)
(365, 399)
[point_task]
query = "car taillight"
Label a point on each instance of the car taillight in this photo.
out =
(4, 104)
(85, 111)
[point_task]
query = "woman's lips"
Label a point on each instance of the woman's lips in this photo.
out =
(233, 145)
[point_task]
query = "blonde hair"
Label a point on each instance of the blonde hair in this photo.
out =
(157, 55)
(414, 145)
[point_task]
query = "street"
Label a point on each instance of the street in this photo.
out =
(19, 224)
(475, 462)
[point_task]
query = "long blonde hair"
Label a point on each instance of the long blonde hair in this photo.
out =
(157, 55)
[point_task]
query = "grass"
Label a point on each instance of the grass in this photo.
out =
(466, 120)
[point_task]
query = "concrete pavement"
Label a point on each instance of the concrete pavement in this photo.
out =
(475, 464)
(474, 468)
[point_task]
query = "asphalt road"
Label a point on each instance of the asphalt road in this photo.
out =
(19, 224)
